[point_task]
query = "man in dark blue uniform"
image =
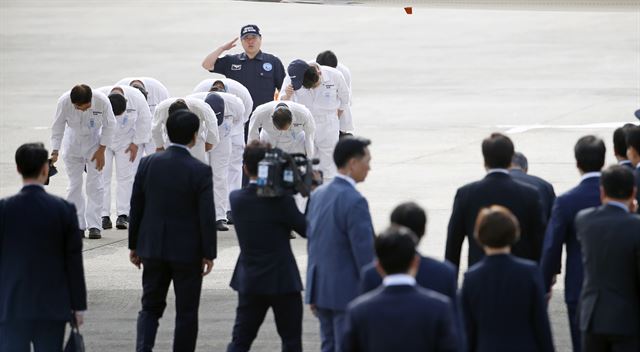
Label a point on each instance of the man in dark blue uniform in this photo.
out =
(260, 72)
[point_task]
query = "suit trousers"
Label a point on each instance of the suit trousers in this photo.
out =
(332, 325)
(574, 326)
(187, 285)
(287, 312)
(609, 343)
(46, 336)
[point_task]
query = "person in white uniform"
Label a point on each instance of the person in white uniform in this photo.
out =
(229, 112)
(133, 129)
(208, 132)
(83, 127)
(285, 125)
(329, 58)
(237, 132)
(155, 92)
(324, 92)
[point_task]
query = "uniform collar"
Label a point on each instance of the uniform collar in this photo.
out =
(259, 56)
(399, 280)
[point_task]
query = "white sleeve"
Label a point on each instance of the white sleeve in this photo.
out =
(256, 123)
(206, 115)
(203, 86)
(143, 120)
(309, 131)
(160, 117)
(248, 104)
(343, 92)
(108, 125)
(285, 83)
(59, 124)
(237, 110)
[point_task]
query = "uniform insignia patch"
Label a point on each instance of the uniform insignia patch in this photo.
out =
(267, 66)
(235, 67)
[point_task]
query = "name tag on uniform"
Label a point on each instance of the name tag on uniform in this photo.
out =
(130, 110)
(235, 67)
(96, 113)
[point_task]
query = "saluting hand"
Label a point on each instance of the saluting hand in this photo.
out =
(230, 45)
(98, 156)
(133, 149)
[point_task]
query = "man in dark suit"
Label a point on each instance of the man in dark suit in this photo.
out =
(502, 296)
(266, 274)
(399, 316)
(172, 232)
(498, 187)
(590, 155)
(519, 170)
(609, 236)
(41, 274)
(340, 235)
(620, 145)
(633, 152)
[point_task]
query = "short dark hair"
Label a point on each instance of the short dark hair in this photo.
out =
(590, 153)
(282, 116)
(182, 125)
(215, 86)
(139, 85)
(620, 141)
(395, 249)
(520, 160)
(118, 103)
(327, 58)
(253, 153)
(30, 158)
(412, 216)
(310, 77)
(496, 227)
(179, 104)
(348, 148)
(81, 94)
(618, 182)
(633, 138)
(498, 151)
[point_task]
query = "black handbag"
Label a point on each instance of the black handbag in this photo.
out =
(75, 342)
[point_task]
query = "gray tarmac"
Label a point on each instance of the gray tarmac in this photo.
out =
(427, 89)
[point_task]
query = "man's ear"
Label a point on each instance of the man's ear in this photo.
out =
(379, 268)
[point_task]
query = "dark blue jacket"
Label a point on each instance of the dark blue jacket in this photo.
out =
(561, 231)
(545, 189)
(636, 173)
(610, 300)
(495, 189)
(41, 271)
(432, 274)
(400, 318)
(172, 214)
(266, 264)
(504, 308)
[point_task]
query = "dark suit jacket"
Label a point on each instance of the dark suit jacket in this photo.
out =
(266, 264)
(41, 271)
(503, 305)
(432, 274)
(561, 231)
(400, 318)
(172, 214)
(495, 189)
(610, 300)
(636, 173)
(545, 189)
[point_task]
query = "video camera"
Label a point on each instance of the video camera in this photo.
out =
(282, 174)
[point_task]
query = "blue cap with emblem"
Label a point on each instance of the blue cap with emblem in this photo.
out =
(217, 104)
(250, 29)
(637, 113)
(296, 72)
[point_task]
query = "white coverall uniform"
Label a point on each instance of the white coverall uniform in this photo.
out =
(346, 119)
(324, 102)
(298, 139)
(220, 154)
(208, 131)
(78, 134)
(133, 126)
(156, 93)
(237, 132)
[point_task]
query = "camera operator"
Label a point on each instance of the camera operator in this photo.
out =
(266, 274)
(288, 126)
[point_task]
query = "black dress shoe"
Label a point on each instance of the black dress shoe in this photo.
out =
(229, 218)
(94, 234)
(122, 222)
(221, 225)
(106, 223)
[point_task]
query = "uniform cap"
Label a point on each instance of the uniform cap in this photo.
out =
(216, 102)
(250, 29)
(296, 71)
(637, 113)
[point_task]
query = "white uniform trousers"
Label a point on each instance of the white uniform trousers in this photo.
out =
(89, 211)
(125, 173)
(326, 137)
(219, 161)
(235, 162)
(198, 151)
(148, 148)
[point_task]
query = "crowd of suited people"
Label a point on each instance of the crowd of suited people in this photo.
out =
(369, 292)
